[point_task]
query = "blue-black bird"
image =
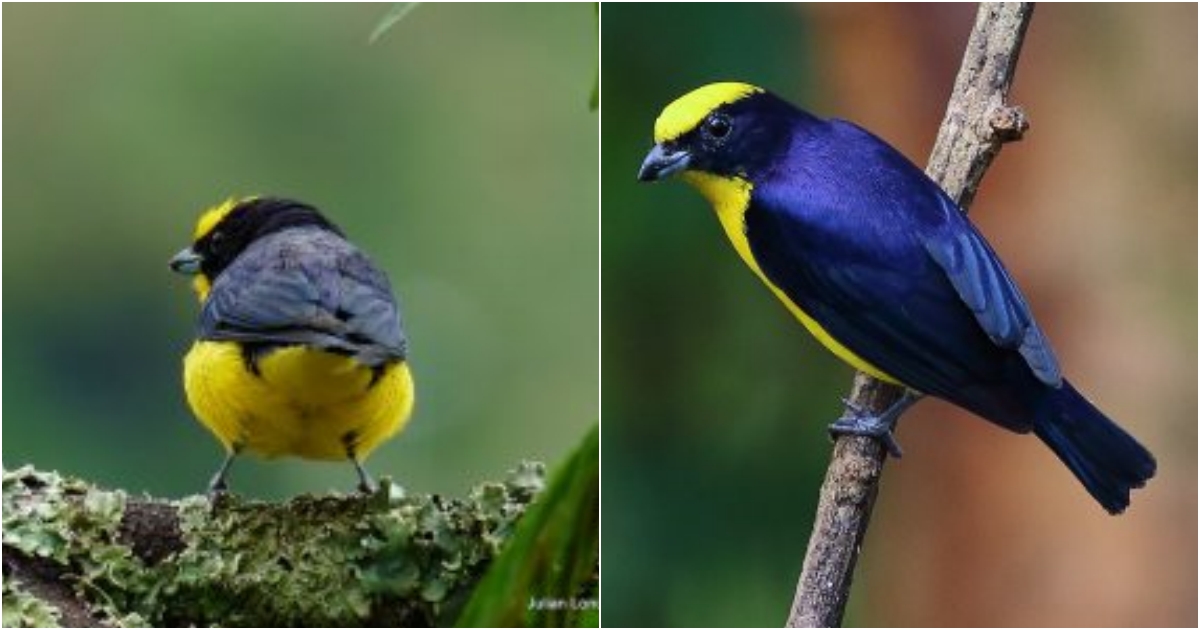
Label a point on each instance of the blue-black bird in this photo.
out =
(884, 269)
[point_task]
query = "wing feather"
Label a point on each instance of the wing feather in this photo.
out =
(986, 288)
(945, 325)
(309, 288)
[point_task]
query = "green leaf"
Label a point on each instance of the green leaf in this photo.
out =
(394, 14)
(546, 574)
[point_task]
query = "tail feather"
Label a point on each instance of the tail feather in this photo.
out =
(1107, 460)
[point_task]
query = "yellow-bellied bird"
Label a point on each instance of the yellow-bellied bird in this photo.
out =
(299, 349)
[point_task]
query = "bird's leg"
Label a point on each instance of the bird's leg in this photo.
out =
(858, 421)
(217, 486)
(366, 485)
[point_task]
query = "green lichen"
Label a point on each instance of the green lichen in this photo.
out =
(48, 516)
(23, 610)
(387, 558)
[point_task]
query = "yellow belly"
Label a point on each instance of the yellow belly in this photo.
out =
(302, 402)
(730, 198)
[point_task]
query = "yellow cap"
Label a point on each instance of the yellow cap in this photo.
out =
(687, 111)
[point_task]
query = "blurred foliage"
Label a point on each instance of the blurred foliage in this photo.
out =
(594, 101)
(456, 152)
(394, 15)
(545, 576)
(713, 397)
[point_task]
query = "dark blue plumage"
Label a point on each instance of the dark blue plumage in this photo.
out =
(306, 286)
(895, 272)
(883, 266)
(284, 275)
(864, 243)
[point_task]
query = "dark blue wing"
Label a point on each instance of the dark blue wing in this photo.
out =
(868, 280)
(985, 286)
(314, 289)
(917, 332)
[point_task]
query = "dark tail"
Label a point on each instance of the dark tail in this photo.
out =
(1108, 461)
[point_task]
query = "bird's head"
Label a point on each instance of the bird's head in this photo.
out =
(727, 131)
(225, 230)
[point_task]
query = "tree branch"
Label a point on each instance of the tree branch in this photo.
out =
(79, 555)
(978, 121)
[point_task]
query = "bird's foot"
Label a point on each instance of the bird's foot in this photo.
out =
(217, 486)
(859, 421)
(867, 426)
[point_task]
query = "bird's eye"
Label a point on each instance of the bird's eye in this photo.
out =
(216, 240)
(718, 126)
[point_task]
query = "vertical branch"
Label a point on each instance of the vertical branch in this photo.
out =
(978, 121)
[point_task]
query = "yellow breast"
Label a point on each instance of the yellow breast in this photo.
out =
(730, 197)
(302, 402)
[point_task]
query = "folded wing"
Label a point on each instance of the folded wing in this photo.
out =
(333, 298)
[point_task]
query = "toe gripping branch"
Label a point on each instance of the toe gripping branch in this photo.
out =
(859, 421)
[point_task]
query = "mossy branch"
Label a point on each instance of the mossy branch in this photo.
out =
(78, 555)
(978, 121)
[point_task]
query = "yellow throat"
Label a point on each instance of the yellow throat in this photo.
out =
(730, 198)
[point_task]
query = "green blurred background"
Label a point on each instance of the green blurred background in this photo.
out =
(458, 151)
(715, 400)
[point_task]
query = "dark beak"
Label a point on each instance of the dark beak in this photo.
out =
(663, 162)
(186, 262)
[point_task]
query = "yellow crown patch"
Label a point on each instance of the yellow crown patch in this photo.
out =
(687, 111)
(211, 217)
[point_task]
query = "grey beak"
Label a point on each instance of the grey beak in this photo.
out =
(662, 162)
(186, 262)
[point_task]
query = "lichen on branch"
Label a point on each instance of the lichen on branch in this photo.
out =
(75, 554)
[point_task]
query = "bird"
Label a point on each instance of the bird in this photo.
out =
(885, 270)
(300, 349)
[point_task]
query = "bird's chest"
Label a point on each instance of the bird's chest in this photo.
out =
(791, 257)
